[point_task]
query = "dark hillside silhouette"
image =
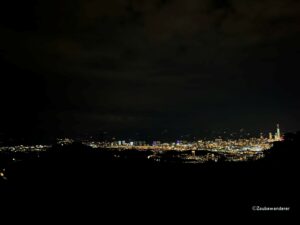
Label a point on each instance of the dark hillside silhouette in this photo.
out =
(128, 176)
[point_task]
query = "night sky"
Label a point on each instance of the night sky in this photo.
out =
(152, 67)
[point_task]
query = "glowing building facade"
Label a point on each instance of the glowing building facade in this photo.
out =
(276, 136)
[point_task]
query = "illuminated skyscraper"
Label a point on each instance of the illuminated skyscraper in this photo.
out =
(270, 136)
(278, 135)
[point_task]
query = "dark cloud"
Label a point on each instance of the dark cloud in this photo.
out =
(129, 64)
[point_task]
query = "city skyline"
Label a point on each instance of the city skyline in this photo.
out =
(141, 109)
(107, 140)
(180, 151)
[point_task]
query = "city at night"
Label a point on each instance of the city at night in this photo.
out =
(139, 107)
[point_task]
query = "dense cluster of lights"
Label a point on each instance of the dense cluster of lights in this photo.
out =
(25, 148)
(195, 151)
(215, 150)
(200, 151)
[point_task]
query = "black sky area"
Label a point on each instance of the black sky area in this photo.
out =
(148, 67)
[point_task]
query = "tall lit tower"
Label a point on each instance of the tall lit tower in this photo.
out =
(278, 135)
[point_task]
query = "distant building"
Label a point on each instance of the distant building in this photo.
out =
(156, 143)
(278, 134)
(270, 136)
(261, 136)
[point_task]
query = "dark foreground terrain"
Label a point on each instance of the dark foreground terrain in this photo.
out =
(80, 179)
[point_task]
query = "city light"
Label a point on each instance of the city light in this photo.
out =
(243, 149)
